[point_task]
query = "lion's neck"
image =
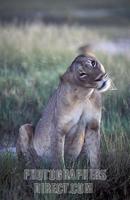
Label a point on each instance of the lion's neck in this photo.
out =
(73, 92)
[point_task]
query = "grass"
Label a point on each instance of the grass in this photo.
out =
(32, 57)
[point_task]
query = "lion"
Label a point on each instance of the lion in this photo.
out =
(70, 123)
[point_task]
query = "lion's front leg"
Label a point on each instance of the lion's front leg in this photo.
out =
(74, 142)
(57, 148)
(92, 144)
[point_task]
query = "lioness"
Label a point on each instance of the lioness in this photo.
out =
(70, 122)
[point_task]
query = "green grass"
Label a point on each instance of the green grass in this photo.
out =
(32, 57)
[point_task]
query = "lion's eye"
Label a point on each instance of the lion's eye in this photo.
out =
(93, 63)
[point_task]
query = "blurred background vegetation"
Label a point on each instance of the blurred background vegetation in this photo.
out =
(38, 41)
(61, 11)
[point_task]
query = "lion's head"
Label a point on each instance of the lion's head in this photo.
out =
(89, 72)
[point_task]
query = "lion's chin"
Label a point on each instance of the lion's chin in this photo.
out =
(104, 85)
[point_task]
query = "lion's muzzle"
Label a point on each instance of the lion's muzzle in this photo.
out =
(104, 84)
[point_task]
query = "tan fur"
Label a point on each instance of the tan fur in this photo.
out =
(24, 139)
(70, 122)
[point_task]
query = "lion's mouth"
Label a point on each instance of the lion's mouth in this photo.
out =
(103, 83)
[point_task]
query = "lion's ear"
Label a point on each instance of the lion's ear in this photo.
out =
(61, 77)
(64, 77)
(71, 68)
